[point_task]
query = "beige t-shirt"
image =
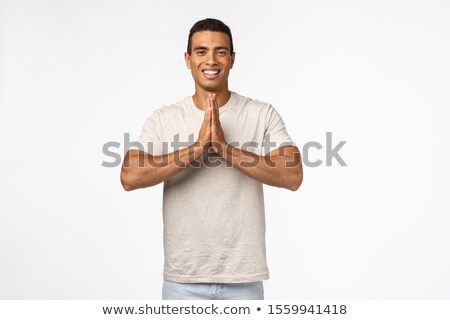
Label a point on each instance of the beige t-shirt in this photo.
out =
(214, 224)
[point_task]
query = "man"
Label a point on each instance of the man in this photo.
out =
(213, 206)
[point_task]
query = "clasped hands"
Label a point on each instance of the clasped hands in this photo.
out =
(211, 133)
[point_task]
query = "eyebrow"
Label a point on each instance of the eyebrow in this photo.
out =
(215, 48)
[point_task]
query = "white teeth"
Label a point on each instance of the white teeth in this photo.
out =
(211, 71)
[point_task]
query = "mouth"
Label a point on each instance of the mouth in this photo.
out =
(211, 73)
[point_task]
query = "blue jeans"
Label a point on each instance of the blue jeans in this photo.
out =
(212, 291)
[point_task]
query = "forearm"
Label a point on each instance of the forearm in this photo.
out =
(284, 171)
(141, 170)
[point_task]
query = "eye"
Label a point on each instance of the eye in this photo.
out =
(200, 52)
(222, 52)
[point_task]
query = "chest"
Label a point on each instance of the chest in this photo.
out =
(241, 129)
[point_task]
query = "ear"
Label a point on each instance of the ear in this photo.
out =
(232, 60)
(187, 59)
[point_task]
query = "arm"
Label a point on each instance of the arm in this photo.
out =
(141, 169)
(280, 168)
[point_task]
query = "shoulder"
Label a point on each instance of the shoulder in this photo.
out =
(170, 110)
(261, 110)
(253, 104)
(255, 108)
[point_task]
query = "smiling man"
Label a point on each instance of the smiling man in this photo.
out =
(213, 151)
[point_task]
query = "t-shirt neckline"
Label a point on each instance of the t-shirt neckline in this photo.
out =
(226, 106)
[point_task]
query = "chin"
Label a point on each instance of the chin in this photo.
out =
(212, 87)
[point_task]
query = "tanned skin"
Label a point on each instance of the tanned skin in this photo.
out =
(211, 52)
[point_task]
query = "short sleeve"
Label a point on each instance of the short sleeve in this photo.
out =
(275, 135)
(150, 139)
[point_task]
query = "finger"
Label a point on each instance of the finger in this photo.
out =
(216, 113)
(214, 100)
(207, 111)
(216, 108)
(210, 111)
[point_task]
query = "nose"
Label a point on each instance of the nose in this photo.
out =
(211, 59)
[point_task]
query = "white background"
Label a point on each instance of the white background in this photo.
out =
(77, 74)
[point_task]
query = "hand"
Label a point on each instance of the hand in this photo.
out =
(218, 142)
(204, 136)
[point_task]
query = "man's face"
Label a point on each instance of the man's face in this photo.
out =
(210, 60)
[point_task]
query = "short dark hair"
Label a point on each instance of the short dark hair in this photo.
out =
(209, 24)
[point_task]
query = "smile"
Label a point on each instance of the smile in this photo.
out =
(210, 74)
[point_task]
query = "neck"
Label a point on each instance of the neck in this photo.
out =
(200, 96)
